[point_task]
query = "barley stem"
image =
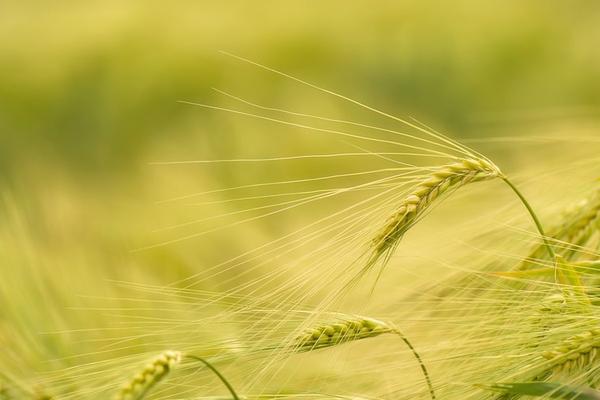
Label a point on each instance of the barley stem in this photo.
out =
(221, 377)
(419, 360)
(536, 220)
(353, 328)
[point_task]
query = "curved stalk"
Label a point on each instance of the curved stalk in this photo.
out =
(537, 222)
(216, 372)
(419, 360)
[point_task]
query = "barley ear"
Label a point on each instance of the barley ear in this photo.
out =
(414, 205)
(347, 329)
(352, 328)
(152, 373)
(576, 227)
(572, 355)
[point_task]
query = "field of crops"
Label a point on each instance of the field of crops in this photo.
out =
(269, 200)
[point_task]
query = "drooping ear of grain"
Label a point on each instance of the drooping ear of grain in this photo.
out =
(413, 206)
(152, 373)
(352, 328)
(343, 331)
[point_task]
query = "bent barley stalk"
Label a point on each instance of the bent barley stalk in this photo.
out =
(352, 328)
(218, 374)
(152, 373)
(451, 176)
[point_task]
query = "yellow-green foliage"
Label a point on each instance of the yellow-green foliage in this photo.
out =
(239, 230)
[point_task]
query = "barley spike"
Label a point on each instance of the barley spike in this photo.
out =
(352, 328)
(152, 373)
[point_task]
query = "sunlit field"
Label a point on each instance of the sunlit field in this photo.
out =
(265, 200)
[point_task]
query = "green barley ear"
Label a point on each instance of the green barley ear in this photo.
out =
(421, 198)
(572, 355)
(352, 328)
(578, 224)
(152, 373)
(346, 330)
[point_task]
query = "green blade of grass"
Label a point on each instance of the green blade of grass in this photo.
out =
(553, 390)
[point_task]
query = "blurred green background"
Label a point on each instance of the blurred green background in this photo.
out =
(90, 97)
(92, 87)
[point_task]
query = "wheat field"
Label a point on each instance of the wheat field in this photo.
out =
(269, 200)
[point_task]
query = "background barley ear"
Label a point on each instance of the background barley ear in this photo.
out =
(152, 373)
(352, 328)
(579, 223)
(572, 356)
(550, 312)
